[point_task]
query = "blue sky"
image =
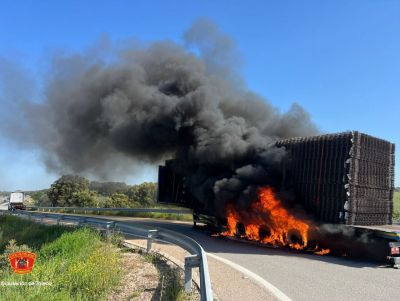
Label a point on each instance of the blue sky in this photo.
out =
(338, 59)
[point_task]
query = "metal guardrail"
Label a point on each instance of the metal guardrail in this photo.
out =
(139, 210)
(197, 258)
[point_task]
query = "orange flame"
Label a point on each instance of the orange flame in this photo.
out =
(267, 221)
(322, 252)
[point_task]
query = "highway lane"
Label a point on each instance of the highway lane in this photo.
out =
(299, 276)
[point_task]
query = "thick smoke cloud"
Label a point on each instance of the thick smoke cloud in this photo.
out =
(159, 101)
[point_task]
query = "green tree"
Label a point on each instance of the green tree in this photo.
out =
(40, 197)
(119, 200)
(36, 195)
(144, 194)
(63, 192)
(85, 198)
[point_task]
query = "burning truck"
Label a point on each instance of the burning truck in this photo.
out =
(330, 193)
(236, 163)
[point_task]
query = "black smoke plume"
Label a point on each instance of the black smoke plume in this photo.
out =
(163, 100)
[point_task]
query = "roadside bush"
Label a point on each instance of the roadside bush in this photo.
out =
(83, 199)
(40, 197)
(119, 200)
(144, 194)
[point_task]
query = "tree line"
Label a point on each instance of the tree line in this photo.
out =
(77, 191)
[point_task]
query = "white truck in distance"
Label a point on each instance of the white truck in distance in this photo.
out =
(16, 201)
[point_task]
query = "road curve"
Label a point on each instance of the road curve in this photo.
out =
(299, 276)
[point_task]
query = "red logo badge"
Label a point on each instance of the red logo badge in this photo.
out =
(22, 262)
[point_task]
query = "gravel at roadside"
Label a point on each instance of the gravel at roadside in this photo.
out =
(228, 284)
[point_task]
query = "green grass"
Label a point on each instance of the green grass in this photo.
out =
(78, 263)
(166, 216)
(26, 232)
(396, 207)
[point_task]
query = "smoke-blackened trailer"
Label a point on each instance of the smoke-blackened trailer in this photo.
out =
(339, 178)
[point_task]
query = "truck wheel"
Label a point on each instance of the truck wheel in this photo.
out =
(240, 229)
(294, 237)
(264, 232)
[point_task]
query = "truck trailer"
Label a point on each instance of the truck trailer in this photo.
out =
(16, 201)
(344, 178)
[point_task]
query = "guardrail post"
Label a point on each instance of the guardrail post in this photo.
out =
(150, 236)
(191, 261)
(109, 228)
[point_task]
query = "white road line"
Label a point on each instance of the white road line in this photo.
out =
(271, 288)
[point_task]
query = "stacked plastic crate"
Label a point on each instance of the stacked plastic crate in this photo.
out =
(342, 178)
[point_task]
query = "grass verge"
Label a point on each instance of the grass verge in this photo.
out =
(77, 263)
(27, 232)
(396, 206)
(165, 216)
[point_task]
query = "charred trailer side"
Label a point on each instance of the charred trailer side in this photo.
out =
(171, 186)
(342, 178)
(172, 189)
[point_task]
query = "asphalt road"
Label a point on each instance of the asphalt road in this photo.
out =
(299, 276)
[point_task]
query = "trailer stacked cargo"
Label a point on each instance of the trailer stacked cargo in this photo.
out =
(315, 171)
(371, 182)
(342, 178)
